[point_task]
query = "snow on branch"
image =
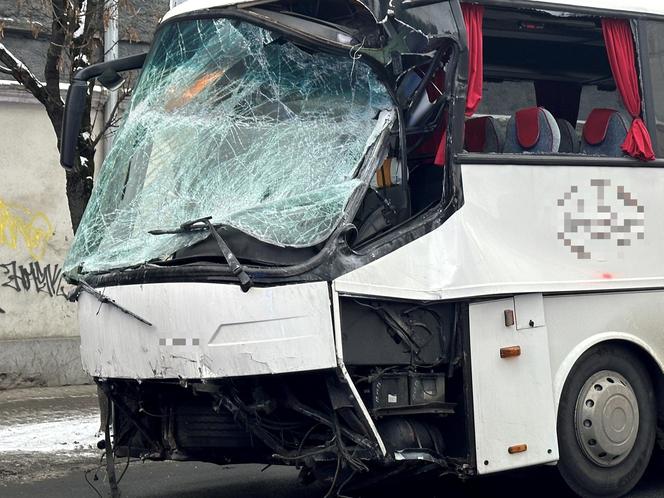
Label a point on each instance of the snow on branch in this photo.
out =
(81, 20)
(25, 77)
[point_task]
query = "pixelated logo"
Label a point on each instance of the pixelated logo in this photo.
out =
(598, 216)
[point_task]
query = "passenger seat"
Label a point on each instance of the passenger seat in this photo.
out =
(603, 134)
(533, 130)
(481, 135)
(569, 139)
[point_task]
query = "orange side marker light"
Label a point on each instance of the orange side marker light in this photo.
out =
(517, 448)
(510, 352)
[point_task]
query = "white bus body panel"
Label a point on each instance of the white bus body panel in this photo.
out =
(578, 322)
(516, 399)
(537, 230)
(511, 236)
(512, 397)
(203, 330)
(642, 6)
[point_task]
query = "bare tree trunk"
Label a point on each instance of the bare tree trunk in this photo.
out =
(79, 191)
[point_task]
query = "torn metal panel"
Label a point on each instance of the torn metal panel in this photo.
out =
(430, 19)
(266, 331)
(377, 7)
(231, 121)
(411, 27)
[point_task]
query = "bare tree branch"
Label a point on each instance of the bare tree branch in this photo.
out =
(25, 77)
(75, 40)
(113, 118)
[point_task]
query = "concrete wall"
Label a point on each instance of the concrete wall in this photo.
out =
(38, 327)
(39, 338)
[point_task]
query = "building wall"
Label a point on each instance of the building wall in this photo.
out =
(39, 337)
(38, 327)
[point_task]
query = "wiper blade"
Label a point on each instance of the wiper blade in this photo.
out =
(85, 287)
(206, 224)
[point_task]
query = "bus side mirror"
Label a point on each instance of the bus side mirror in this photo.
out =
(111, 80)
(71, 124)
(108, 75)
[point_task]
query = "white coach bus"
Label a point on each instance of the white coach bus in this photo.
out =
(378, 239)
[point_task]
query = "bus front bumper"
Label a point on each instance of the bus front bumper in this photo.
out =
(206, 331)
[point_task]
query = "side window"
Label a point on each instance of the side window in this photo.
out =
(655, 34)
(500, 99)
(606, 97)
(549, 86)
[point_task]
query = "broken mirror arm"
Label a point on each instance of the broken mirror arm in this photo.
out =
(103, 299)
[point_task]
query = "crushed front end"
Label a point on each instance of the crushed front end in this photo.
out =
(352, 391)
(267, 151)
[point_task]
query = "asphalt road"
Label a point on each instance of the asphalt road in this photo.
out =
(47, 442)
(190, 480)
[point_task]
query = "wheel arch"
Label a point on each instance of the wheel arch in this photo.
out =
(654, 363)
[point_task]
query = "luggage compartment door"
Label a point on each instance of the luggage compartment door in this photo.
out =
(514, 411)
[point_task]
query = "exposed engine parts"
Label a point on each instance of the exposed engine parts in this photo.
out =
(407, 393)
(405, 362)
(389, 333)
(401, 355)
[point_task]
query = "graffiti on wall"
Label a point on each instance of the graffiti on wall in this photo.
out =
(32, 277)
(20, 227)
(25, 230)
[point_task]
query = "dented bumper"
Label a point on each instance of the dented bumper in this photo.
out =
(206, 331)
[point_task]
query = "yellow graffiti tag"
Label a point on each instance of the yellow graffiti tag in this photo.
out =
(18, 223)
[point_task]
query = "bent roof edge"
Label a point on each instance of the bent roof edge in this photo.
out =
(632, 6)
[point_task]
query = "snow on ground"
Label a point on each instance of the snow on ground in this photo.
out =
(74, 434)
(47, 432)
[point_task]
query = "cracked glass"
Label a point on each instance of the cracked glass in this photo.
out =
(232, 121)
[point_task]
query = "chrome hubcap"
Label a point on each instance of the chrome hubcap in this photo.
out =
(607, 418)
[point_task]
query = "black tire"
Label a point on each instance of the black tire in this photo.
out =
(585, 477)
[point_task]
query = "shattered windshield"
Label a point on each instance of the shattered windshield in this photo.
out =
(230, 120)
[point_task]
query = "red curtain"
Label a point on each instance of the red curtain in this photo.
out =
(473, 15)
(620, 48)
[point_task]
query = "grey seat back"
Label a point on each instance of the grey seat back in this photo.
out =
(532, 130)
(604, 133)
(481, 135)
(570, 142)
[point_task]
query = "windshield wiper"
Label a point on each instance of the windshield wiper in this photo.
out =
(102, 298)
(206, 224)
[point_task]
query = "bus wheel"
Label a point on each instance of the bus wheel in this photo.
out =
(606, 423)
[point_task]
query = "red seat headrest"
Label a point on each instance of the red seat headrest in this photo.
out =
(475, 134)
(527, 127)
(597, 125)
